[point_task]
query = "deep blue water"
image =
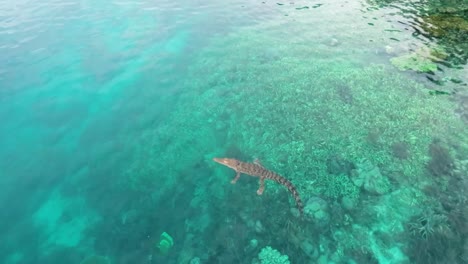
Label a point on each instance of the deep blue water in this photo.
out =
(111, 113)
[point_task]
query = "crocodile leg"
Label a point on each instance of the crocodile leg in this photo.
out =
(257, 161)
(233, 181)
(262, 186)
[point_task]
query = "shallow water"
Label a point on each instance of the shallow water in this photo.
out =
(112, 111)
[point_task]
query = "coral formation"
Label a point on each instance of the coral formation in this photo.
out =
(432, 240)
(316, 209)
(269, 255)
(337, 186)
(368, 177)
(165, 243)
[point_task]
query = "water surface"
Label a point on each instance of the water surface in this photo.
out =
(111, 113)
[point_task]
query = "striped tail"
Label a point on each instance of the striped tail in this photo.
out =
(285, 182)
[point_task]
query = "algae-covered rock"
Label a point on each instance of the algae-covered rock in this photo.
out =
(448, 6)
(414, 62)
(442, 6)
(441, 25)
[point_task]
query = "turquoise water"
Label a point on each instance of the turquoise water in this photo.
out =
(112, 111)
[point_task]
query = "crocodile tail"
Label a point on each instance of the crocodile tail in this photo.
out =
(285, 182)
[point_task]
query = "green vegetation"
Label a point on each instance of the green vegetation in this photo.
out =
(414, 62)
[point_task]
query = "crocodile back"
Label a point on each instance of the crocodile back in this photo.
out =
(259, 171)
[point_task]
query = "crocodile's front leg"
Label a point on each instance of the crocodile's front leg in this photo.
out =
(233, 181)
(262, 186)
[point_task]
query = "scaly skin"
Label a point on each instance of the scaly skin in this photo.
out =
(257, 170)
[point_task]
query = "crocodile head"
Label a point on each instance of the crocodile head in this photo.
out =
(231, 163)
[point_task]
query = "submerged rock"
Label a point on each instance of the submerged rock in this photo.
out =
(195, 260)
(442, 25)
(96, 259)
(348, 203)
(253, 244)
(368, 177)
(316, 209)
(309, 249)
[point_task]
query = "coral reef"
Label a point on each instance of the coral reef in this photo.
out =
(377, 153)
(349, 130)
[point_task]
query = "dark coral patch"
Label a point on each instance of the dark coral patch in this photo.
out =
(441, 162)
(401, 150)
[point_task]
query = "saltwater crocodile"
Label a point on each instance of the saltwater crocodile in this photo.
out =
(257, 170)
